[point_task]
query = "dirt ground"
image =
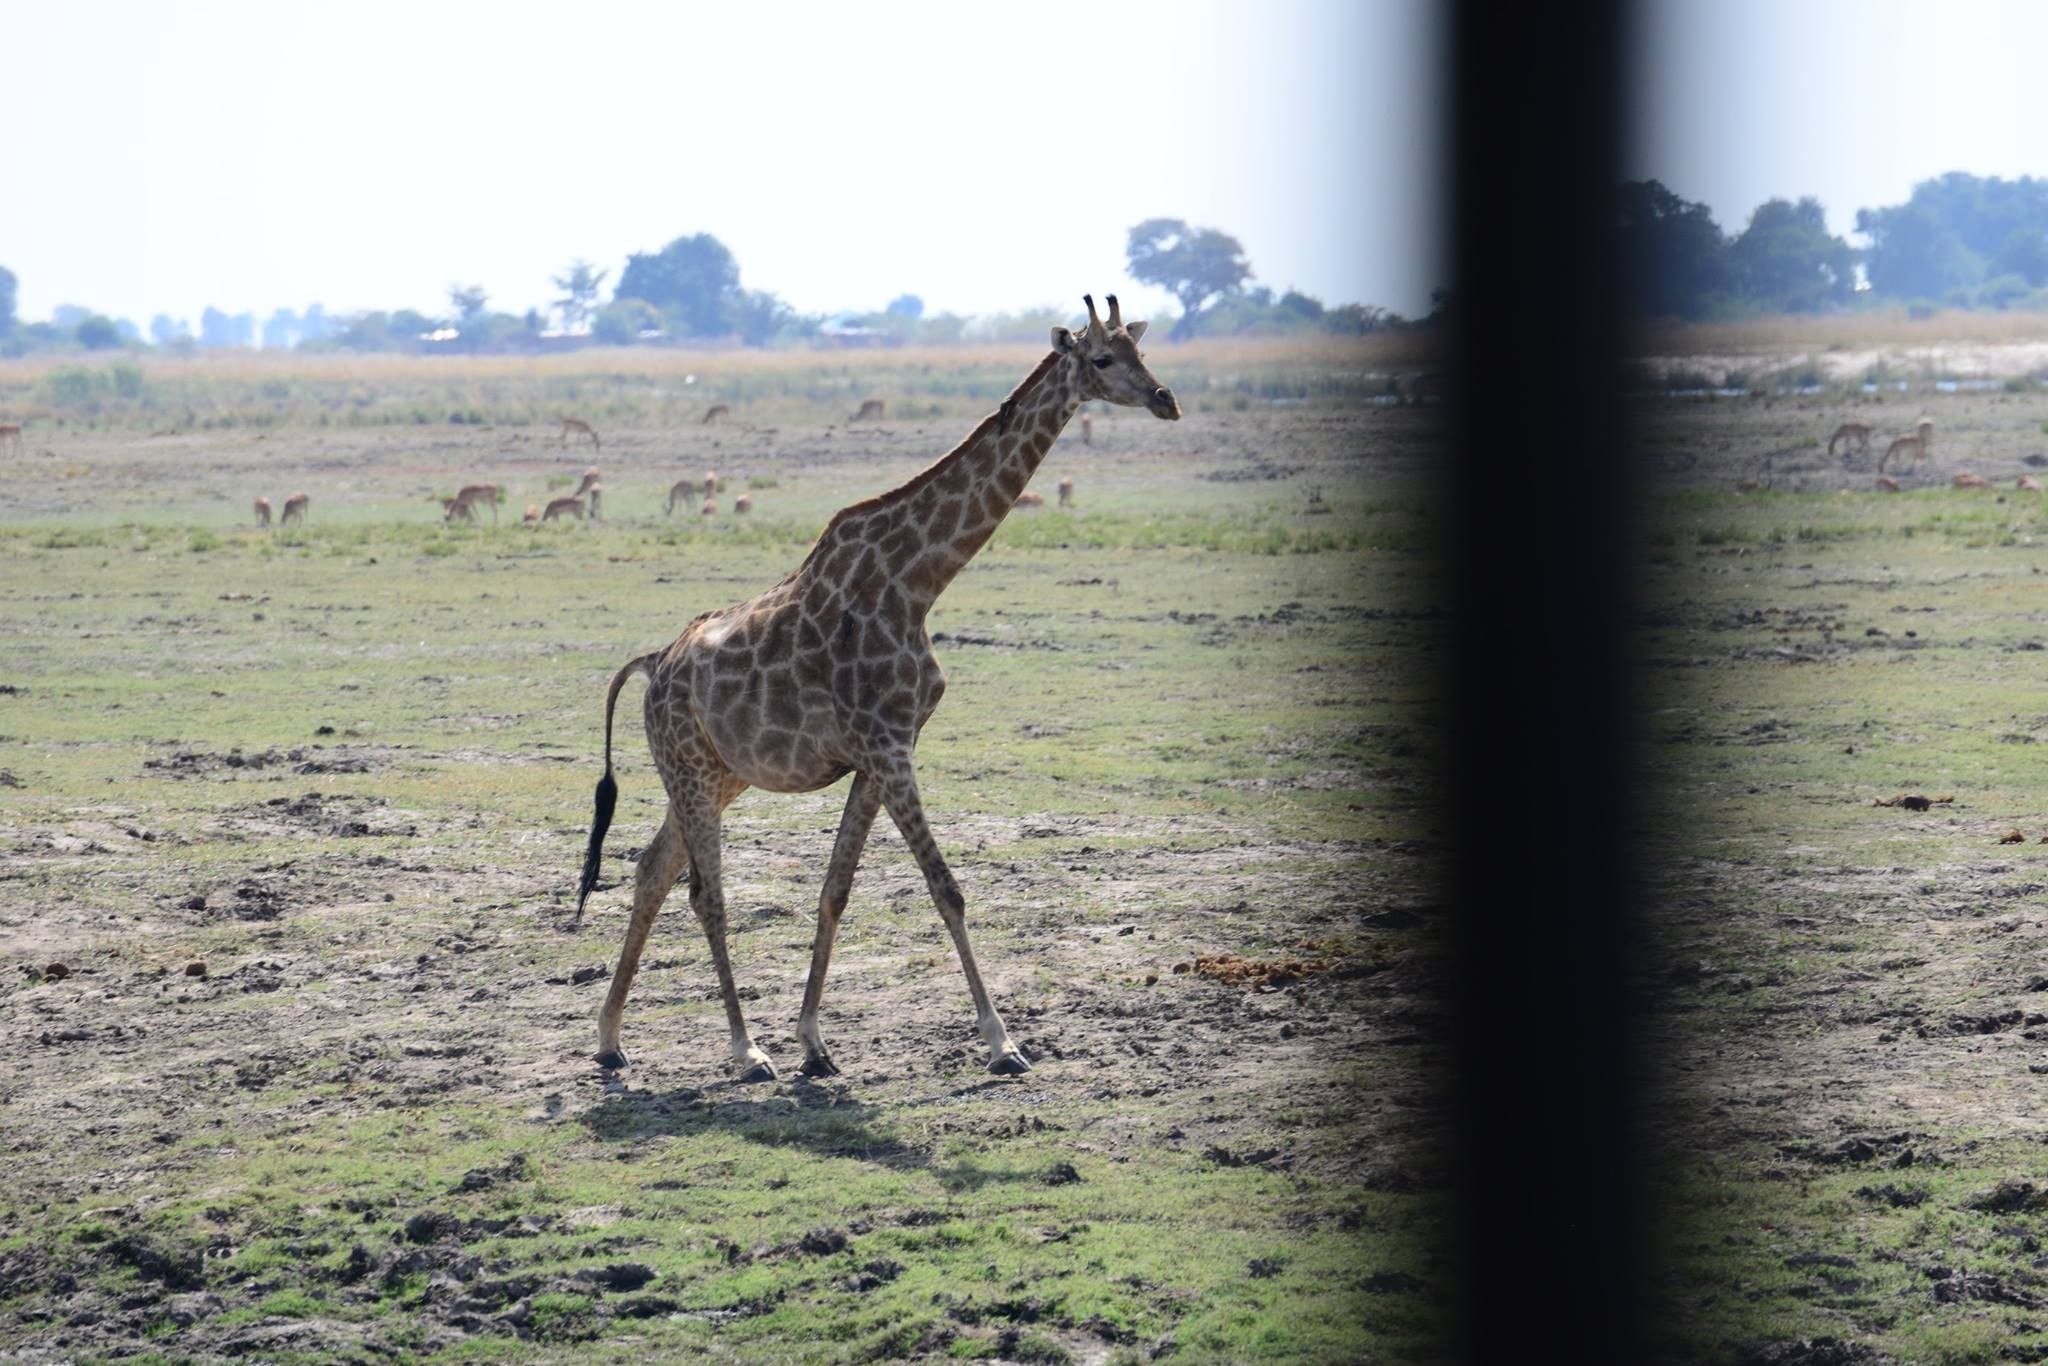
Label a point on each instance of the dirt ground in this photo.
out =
(1844, 990)
(299, 1044)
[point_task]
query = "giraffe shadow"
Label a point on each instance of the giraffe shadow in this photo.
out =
(821, 1120)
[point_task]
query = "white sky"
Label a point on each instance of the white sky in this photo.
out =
(1852, 101)
(160, 157)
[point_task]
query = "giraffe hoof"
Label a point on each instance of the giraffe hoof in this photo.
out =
(1009, 1064)
(611, 1060)
(819, 1065)
(760, 1071)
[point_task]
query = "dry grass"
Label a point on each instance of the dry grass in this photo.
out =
(1875, 328)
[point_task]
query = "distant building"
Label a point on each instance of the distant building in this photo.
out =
(847, 329)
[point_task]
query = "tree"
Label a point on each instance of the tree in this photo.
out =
(468, 301)
(282, 330)
(2024, 253)
(693, 281)
(1673, 254)
(1913, 254)
(7, 295)
(620, 322)
(98, 333)
(1193, 264)
(164, 329)
(906, 306)
(1787, 261)
(216, 328)
(580, 288)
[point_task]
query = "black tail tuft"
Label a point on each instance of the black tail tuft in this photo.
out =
(607, 802)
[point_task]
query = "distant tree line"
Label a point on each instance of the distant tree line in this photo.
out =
(690, 290)
(1959, 241)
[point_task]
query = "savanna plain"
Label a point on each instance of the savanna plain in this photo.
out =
(299, 1038)
(1847, 993)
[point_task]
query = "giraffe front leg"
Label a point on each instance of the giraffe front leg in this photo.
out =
(652, 879)
(899, 795)
(707, 899)
(854, 824)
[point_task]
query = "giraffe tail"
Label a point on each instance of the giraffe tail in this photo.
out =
(607, 786)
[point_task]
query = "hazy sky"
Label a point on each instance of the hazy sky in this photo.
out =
(160, 157)
(1852, 101)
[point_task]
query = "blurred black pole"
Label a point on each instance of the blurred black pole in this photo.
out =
(1538, 509)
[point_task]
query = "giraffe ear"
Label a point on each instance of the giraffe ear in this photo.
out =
(1137, 331)
(1062, 340)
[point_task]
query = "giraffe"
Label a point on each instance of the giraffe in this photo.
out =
(10, 433)
(716, 412)
(262, 510)
(581, 428)
(831, 672)
(1067, 491)
(743, 505)
(870, 411)
(572, 506)
(294, 510)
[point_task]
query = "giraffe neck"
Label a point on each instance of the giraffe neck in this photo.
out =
(964, 498)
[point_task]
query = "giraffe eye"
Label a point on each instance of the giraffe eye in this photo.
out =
(1103, 362)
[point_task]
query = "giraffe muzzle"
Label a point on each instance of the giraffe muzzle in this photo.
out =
(1165, 405)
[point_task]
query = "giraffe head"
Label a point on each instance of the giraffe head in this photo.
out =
(1110, 365)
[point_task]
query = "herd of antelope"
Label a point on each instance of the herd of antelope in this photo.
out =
(1910, 449)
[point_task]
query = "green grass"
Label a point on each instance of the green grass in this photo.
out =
(1178, 677)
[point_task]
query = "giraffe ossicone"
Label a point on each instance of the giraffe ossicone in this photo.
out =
(831, 672)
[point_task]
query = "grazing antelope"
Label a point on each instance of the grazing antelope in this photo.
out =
(682, 491)
(1031, 498)
(1067, 491)
(717, 411)
(1887, 484)
(294, 510)
(870, 411)
(1856, 434)
(578, 426)
(489, 494)
(831, 672)
(532, 513)
(1917, 446)
(262, 511)
(743, 505)
(1967, 480)
(572, 505)
(2028, 484)
(590, 476)
(710, 508)
(10, 432)
(458, 509)
(710, 482)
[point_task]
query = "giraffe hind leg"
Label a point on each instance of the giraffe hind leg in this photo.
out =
(659, 867)
(700, 829)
